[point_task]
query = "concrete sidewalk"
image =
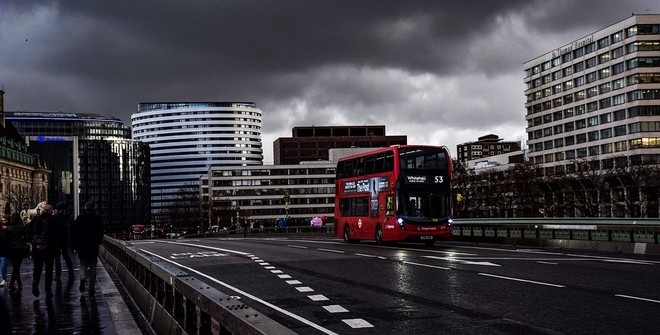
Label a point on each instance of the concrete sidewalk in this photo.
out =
(69, 311)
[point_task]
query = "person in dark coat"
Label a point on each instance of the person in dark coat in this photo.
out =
(17, 248)
(44, 240)
(62, 225)
(88, 236)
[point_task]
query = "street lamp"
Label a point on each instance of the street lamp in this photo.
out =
(286, 199)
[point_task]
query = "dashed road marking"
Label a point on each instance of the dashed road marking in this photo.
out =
(284, 276)
(293, 282)
(276, 271)
(318, 297)
(335, 309)
(358, 323)
(520, 280)
(304, 289)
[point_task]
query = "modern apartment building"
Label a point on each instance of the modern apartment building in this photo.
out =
(597, 98)
(485, 146)
(24, 176)
(92, 158)
(264, 194)
(312, 143)
(187, 138)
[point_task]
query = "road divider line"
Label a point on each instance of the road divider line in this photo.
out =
(427, 265)
(332, 250)
(520, 280)
(637, 298)
(371, 256)
(246, 294)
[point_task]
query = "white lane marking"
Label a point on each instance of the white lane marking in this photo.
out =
(637, 298)
(475, 263)
(549, 263)
(212, 248)
(335, 309)
(264, 263)
(630, 261)
(427, 265)
(284, 276)
(253, 297)
(371, 256)
(357, 323)
(269, 267)
(304, 289)
(276, 271)
(293, 282)
(332, 250)
(317, 297)
(520, 280)
(297, 246)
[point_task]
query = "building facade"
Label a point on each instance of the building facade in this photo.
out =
(485, 146)
(313, 142)
(24, 176)
(93, 159)
(264, 194)
(186, 139)
(597, 99)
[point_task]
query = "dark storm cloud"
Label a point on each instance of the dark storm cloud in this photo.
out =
(415, 66)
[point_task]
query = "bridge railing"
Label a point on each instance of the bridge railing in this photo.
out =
(175, 302)
(637, 235)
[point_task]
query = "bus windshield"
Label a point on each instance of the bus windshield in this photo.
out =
(424, 205)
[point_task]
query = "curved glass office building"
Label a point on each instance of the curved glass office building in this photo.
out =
(187, 138)
(92, 158)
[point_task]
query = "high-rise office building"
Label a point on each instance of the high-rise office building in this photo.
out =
(312, 143)
(597, 98)
(187, 138)
(93, 159)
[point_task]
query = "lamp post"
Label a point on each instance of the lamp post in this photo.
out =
(286, 199)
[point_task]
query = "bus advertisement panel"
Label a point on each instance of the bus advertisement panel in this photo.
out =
(400, 193)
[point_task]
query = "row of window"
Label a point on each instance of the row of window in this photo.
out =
(604, 118)
(607, 163)
(638, 78)
(633, 128)
(569, 54)
(596, 150)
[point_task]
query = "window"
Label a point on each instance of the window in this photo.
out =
(579, 81)
(591, 77)
(581, 138)
(606, 133)
(557, 116)
(559, 142)
(592, 106)
(593, 151)
(556, 75)
(589, 48)
(569, 126)
(568, 85)
(558, 129)
(619, 115)
(620, 130)
(634, 128)
(603, 42)
(604, 73)
(556, 89)
(617, 37)
(607, 148)
(617, 53)
(620, 146)
(592, 121)
(604, 103)
(567, 71)
(559, 156)
(590, 62)
(606, 118)
(592, 91)
(580, 95)
(566, 57)
(578, 67)
(604, 88)
(570, 154)
(604, 58)
(579, 110)
(547, 131)
(579, 52)
(618, 68)
(570, 140)
(592, 136)
(547, 145)
(618, 99)
(618, 84)
(546, 66)
(568, 113)
(582, 152)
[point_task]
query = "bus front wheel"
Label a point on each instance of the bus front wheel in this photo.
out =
(347, 235)
(379, 235)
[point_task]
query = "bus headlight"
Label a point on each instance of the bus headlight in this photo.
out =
(401, 223)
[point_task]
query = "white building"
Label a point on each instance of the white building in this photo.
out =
(187, 138)
(597, 98)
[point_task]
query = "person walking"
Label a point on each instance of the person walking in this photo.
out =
(3, 249)
(88, 236)
(62, 226)
(43, 240)
(17, 248)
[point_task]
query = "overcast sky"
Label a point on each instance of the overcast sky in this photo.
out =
(440, 72)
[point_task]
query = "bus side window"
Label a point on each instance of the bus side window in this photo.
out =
(345, 207)
(389, 205)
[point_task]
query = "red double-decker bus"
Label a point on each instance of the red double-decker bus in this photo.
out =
(400, 193)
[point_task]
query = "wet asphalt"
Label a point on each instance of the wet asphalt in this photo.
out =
(68, 311)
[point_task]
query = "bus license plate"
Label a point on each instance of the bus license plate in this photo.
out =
(426, 237)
